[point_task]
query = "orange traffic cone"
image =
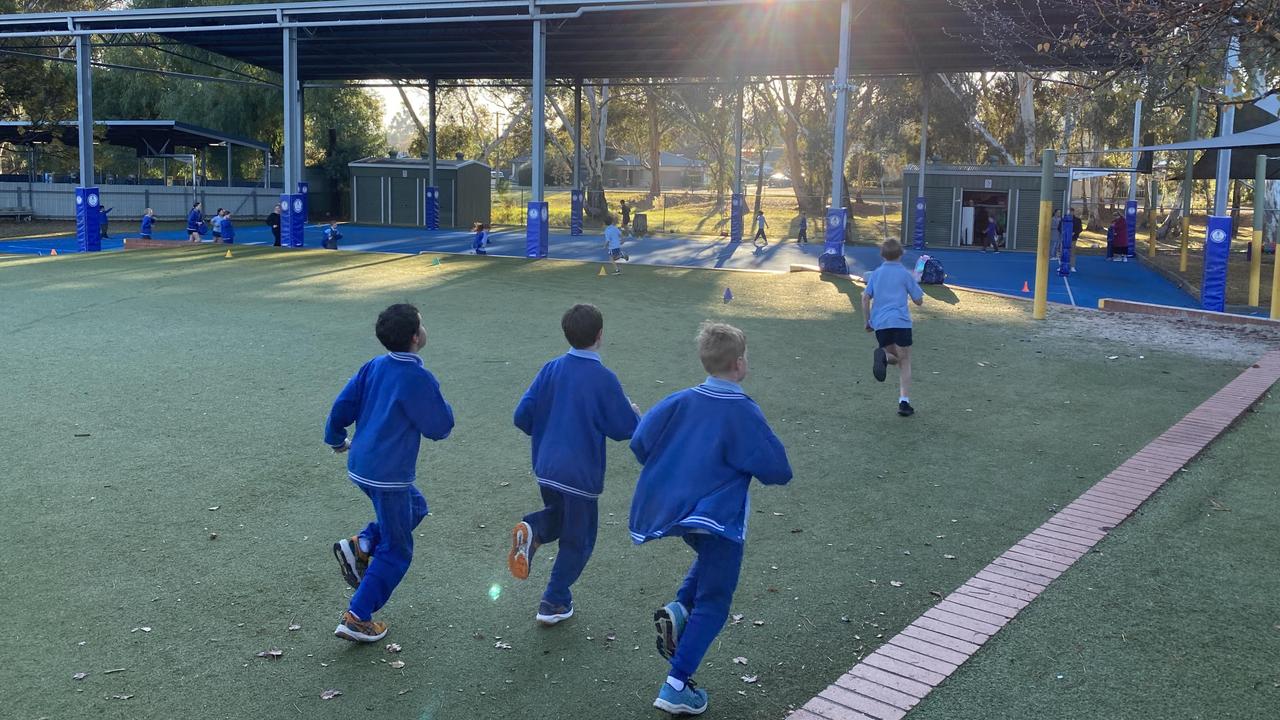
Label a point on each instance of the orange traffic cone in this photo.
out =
(1024, 287)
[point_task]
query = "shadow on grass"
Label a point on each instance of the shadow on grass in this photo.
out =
(943, 293)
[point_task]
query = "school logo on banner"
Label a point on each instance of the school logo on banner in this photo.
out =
(1218, 236)
(93, 200)
(297, 205)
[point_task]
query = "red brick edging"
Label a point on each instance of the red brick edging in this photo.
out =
(889, 682)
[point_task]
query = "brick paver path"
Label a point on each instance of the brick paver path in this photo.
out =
(894, 678)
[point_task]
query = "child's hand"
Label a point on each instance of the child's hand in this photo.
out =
(345, 446)
(868, 327)
(636, 408)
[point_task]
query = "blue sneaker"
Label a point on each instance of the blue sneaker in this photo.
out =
(549, 613)
(692, 700)
(669, 621)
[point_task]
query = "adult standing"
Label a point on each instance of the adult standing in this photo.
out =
(273, 221)
(195, 219)
(1118, 240)
(1055, 234)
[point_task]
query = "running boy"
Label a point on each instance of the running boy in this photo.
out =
(700, 448)
(613, 241)
(228, 230)
(393, 400)
(889, 286)
(216, 225)
(574, 403)
(148, 221)
(760, 240)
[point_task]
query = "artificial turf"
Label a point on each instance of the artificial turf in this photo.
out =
(1173, 617)
(154, 398)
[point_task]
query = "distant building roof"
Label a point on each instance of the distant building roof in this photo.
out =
(666, 160)
(390, 162)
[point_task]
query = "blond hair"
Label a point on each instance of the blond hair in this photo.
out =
(719, 346)
(891, 249)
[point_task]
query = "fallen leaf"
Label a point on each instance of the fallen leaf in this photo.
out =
(796, 530)
(777, 514)
(1112, 357)
(740, 660)
(396, 664)
(1218, 506)
(80, 676)
(145, 629)
(504, 483)
(271, 653)
(112, 671)
(844, 618)
(330, 694)
(215, 507)
(610, 637)
(502, 645)
(749, 679)
(757, 623)
(896, 583)
(949, 557)
(936, 594)
(403, 691)
(294, 626)
(121, 696)
(737, 618)
(213, 536)
(393, 647)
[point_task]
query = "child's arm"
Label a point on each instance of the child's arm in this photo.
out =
(528, 406)
(867, 294)
(344, 412)
(765, 457)
(620, 414)
(428, 411)
(914, 290)
(650, 429)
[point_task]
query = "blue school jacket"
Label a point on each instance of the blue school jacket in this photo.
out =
(394, 402)
(700, 448)
(147, 222)
(193, 220)
(573, 404)
(228, 231)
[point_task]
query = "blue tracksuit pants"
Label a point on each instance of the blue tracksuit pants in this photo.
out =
(573, 521)
(707, 593)
(390, 537)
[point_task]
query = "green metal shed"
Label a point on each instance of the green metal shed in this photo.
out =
(392, 191)
(960, 197)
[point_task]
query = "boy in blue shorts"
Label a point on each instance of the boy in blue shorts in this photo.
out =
(148, 222)
(884, 304)
(394, 401)
(574, 403)
(613, 242)
(700, 448)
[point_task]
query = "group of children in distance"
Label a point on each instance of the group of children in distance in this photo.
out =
(698, 450)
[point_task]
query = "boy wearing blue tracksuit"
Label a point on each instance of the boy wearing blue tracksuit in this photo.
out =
(148, 221)
(574, 403)
(332, 236)
(394, 402)
(228, 230)
(700, 448)
(195, 222)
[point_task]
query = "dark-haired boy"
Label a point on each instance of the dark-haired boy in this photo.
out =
(884, 305)
(700, 447)
(393, 400)
(574, 403)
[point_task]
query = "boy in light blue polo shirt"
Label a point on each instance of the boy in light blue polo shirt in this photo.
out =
(884, 304)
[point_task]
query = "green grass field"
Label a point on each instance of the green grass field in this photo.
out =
(154, 398)
(1173, 617)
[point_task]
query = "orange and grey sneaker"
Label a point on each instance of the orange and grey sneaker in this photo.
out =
(356, 630)
(522, 548)
(352, 561)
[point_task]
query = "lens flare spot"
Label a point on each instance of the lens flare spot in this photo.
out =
(495, 592)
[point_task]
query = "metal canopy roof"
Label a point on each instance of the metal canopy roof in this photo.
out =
(148, 137)
(492, 39)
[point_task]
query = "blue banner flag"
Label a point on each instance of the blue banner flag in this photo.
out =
(1217, 248)
(919, 227)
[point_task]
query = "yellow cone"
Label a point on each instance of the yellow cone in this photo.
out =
(54, 251)
(228, 254)
(602, 272)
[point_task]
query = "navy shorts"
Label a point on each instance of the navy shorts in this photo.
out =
(894, 336)
(615, 253)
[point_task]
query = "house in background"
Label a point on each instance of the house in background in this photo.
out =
(675, 171)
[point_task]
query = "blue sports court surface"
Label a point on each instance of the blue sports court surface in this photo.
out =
(1006, 272)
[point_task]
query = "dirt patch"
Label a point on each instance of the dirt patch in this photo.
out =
(1146, 332)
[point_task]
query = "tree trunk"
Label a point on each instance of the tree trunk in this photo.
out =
(596, 205)
(655, 144)
(760, 173)
(1027, 117)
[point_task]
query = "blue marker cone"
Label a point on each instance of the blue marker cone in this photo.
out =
(728, 294)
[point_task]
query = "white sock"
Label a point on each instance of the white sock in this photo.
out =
(678, 685)
(363, 542)
(904, 399)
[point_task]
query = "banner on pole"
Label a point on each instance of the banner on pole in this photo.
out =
(919, 227)
(537, 228)
(1217, 249)
(1131, 225)
(836, 218)
(88, 226)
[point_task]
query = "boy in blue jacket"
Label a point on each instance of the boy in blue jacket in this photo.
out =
(700, 448)
(574, 403)
(228, 230)
(332, 236)
(394, 401)
(148, 221)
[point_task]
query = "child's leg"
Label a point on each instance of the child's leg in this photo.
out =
(715, 577)
(891, 353)
(547, 522)
(399, 510)
(904, 371)
(577, 540)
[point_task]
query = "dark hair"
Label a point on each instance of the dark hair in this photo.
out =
(396, 327)
(891, 249)
(608, 219)
(582, 325)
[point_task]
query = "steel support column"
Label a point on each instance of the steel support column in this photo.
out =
(84, 106)
(292, 112)
(837, 214)
(431, 131)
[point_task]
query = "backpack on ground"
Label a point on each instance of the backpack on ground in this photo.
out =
(833, 263)
(929, 271)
